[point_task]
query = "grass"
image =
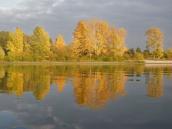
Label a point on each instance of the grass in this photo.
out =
(86, 62)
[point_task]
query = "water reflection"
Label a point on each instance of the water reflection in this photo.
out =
(155, 83)
(93, 86)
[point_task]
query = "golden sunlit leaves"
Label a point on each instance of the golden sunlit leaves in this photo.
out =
(40, 44)
(15, 45)
(94, 37)
(60, 43)
(155, 40)
(93, 40)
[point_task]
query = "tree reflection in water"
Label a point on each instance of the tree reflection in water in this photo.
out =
(93, 86)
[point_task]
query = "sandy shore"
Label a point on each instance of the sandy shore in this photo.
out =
(158, 62)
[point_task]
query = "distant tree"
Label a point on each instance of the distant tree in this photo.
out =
(138, 50)
(146, 54)
(40, 44)
(15, 45)
(155, 39)
(169, 53)
(131, 52)
(139, 56)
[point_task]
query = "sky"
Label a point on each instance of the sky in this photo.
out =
(61, 16)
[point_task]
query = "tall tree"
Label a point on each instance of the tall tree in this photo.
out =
(60, 43)
(15, 45)
(27, 54)
(155, 41)
(95, 37)
(118, 42)
(40, 44)
(81, 43)
(59, 48)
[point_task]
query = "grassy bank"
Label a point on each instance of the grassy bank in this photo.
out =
(129, 62)
(71, 63)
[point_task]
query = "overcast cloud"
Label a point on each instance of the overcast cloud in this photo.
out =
(61, 16)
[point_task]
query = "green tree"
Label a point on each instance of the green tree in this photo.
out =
(40, 44)
(138, 50)
(146, 54)
(4, 37)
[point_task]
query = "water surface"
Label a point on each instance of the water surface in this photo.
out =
(85, 97)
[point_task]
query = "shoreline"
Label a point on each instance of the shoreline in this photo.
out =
(130, 62)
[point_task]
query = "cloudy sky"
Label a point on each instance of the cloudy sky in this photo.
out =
(61, 16)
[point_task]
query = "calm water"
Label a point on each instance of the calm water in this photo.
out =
(85, 97)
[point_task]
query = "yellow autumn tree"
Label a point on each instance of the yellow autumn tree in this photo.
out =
(102, 37)
(15, 45)
(82, 43)
(60, 43)
(118, 37)
(40, 44)
(97, 38)
(155, 41)
(59, 48)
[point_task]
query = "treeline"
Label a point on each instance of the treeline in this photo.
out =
(92, 40)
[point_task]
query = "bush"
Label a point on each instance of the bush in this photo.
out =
(169, 53)
(139, 56)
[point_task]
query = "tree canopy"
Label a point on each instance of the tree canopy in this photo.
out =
(95, 40)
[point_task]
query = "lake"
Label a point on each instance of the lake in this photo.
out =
(85, 97)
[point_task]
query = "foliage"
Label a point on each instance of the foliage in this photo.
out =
(40, 44)
(93, 40)
(169, 53)
(59, 49)
(98, 38)
(15, 45)
(155, 39)
(139, 56)
(2, 54)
